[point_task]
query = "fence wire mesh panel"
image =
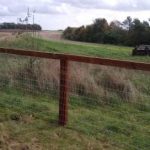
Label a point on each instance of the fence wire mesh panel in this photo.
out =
(110, 104)
(30, 85)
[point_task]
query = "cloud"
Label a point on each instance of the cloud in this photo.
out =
(3, 11)
(19, 7)
(57, 14)
(117, 5)
(61, 6)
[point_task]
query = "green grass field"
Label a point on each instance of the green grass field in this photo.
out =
(98, 50)
(30, 122)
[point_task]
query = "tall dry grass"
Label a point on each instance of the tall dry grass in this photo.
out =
(89, 81)
(102, 82)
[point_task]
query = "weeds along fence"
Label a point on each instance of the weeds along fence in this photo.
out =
(76, 80)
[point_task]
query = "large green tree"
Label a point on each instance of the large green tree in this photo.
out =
(129, 32)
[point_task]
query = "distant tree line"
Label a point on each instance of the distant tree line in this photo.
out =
(130, 32)
(6, 25)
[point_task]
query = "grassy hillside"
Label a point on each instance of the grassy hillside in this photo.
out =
(30, 122)
(99, 50)
(109, 108)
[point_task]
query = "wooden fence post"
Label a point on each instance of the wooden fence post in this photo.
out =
(63, 99)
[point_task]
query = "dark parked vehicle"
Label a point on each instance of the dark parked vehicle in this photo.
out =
(141, 50)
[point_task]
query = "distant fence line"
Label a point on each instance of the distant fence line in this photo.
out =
(64, 71)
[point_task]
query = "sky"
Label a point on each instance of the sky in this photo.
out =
(59, 14)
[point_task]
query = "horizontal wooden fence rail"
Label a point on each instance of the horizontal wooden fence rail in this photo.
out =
(85, 59)
(64, 60)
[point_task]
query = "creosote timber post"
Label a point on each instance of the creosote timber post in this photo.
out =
(63, 99)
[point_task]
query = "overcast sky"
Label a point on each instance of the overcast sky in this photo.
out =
(58, 14)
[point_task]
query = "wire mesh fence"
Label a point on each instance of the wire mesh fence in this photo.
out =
(110, 104)
(107, 83)
(34, 75)
(29, 88)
